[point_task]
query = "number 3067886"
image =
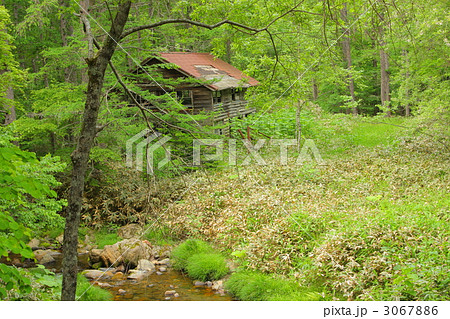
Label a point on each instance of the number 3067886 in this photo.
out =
(410, 310)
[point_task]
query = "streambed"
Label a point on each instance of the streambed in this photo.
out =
(155, 286)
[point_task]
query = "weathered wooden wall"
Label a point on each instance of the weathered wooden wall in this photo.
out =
(232, 103)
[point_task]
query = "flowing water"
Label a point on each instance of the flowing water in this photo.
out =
(154, 287)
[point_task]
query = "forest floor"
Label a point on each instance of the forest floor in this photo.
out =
(372, 223)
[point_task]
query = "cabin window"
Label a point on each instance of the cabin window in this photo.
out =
(185, 97)
(217, 97)
(235, 95)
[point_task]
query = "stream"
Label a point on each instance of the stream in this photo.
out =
(155, 286)
(151, 288)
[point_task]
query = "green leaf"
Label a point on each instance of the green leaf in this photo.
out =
(13, 225)
(2, 293)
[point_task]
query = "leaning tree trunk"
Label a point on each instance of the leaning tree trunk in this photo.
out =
(96, 71)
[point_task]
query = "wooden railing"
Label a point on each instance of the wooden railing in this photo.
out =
(231, 109)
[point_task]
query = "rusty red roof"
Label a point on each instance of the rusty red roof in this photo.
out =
(206, 66)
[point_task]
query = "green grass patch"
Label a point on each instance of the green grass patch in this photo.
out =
(207, 266)
(254, 286)
(372, 132)
(105, 237)
(184, 251)
(86, 292)
(340, 134)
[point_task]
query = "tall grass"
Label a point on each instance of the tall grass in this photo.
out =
(254, 286)
(207, 266)
(199, 260)
(184, 251)
(88, 292)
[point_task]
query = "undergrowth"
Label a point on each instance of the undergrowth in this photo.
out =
(254, 286)
(106, 236)
(371, 224)
(86, 292)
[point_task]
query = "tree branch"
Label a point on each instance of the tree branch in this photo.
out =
(141, 108)
(196, 23)
(253, 31)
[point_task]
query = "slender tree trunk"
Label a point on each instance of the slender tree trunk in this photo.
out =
(384, 71)
(66, 30)
(348, 57)
(298, 124)
(407, 83)
(85, 4)
(228, 51)
(97, 65)
(385, 88)
(315, 89)
(9, 106)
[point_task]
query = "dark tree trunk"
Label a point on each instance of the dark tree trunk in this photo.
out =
(96, 71)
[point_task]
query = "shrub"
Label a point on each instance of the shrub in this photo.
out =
(184, 251)
(86, 292)
(207, 266)
(254, 286)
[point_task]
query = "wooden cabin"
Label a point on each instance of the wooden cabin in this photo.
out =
(204, 83)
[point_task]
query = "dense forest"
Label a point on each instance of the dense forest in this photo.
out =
(363, 83)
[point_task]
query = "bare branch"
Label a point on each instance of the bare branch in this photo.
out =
(308, 12)
(240, 26)
(191, 22)
(141, 108)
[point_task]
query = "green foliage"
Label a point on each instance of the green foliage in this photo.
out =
(12, 279)
(45, 277)
(206, 266)
(106, 236)
(25, 201)
(160, 235)
(13, 237)
(88, 292)
(275, 123)
(23, 175)
(186, 250)
(254, 286)
(11, 75)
